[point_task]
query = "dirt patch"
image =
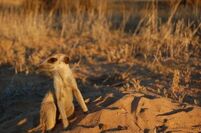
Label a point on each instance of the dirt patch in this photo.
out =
(114, 102)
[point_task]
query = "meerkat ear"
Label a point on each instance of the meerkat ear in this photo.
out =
(66, 60)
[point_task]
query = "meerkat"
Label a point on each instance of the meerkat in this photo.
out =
(65, 86)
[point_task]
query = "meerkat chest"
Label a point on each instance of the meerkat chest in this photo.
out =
(64, 87)
(67, 91)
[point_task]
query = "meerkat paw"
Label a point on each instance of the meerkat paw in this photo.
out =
(85, 110)
(65, 124)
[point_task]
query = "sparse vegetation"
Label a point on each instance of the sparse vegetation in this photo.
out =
(147, 47)
(29, 31)
(36, 29)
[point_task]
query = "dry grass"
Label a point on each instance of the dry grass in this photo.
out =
(86, 31)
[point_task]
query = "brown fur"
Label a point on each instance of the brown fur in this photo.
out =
(47, 114)
(65, 87)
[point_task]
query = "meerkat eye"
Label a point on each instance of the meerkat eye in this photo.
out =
(66, 60)
(52, 60)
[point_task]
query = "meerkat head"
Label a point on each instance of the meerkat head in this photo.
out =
(54, 63)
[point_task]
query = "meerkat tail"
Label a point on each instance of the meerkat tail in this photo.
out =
(39, 127)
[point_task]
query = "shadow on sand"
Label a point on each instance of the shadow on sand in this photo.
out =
(21, 96)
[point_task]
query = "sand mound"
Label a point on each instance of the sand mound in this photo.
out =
(133, 113)
(141, 113)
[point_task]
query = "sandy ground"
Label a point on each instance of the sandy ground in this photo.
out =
(112, 106)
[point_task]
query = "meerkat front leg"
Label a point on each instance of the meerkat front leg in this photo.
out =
(80, 99)
(79, 96)
(62, 113)
(60, 104)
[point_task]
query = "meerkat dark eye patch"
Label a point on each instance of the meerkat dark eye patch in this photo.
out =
(66, 60)
(52, 60)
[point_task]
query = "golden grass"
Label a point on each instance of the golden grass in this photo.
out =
(35, 30)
